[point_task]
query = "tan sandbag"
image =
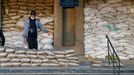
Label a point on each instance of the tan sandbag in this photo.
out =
(23, 7)
(22, 0)
(59, 52)
(62, 60)
(20, 52)
(73, 64)
(9, 50)
(60, 56)
(5, 22)
(39, 8)
(63, 64)
(22, 11)
(31, 56)
(41, 56)
(6, 64)
(40, 4)
(25, 60)
(41, 52)
(15, 17)
(70, 55)
(12, 14)
(15, 60)
(2, 49)
(25, 64)
(3, 54)
(44, 64)
(22, 3)
(45, 60)
(53, 61)
(13, 1)
(35, 64)
(53, 64)
(21, 56)
(11, 55)
(4, 60)
(69, 51)
(50, 57)
(31, 8)
(30, 52)
(14, 7)
(49, 52)
(13, 10)
(15, 64)
(36, 60)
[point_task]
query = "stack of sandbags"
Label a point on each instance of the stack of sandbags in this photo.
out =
(10, 57)
(114, 18)
(48, 23)
(19, 10)
(13, 39)
(45, 41)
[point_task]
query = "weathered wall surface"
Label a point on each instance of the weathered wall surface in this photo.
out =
(114, 18)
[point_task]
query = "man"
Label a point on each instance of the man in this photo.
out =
(31, 30)
(2, 38)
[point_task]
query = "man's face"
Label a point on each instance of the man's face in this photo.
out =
(33, 16)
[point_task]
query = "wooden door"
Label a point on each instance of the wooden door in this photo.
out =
(68, 27)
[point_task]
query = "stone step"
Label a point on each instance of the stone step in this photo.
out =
(81, 70)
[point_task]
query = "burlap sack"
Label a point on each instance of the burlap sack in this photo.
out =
(2, 60)
(36, 60)
(2, 49)
(3, 54)
(35, 64)
(73, 64)
(41, 52)
(25, 64)
(60, 56)
(62, 60)
(41, 56)
(11, 55)
(20, 52)
(15, 60)
(9, 50)
(63, 64)
(31, 56)
(25, 60)
(44, 64)
(45, 60)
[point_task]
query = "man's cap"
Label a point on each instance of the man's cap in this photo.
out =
(33, 12)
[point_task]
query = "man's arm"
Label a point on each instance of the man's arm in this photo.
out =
(26, 25)
(40, 26)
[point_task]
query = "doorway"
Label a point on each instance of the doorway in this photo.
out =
(68, 27)
(68, 35)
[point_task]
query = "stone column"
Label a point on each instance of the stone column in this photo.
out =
(0, 13)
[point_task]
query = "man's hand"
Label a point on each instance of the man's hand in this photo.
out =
(49, 33)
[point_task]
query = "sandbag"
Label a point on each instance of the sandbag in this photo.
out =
(3, 54)
(4, 60)
(15, 60)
